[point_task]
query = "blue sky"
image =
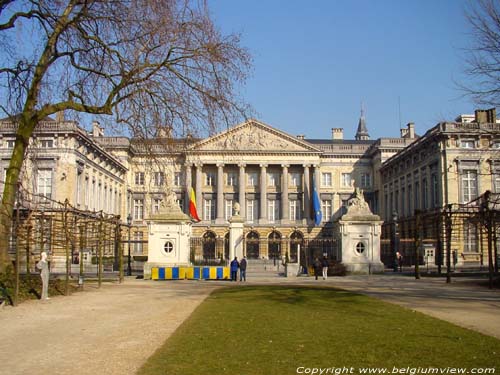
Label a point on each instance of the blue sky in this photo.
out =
(316, 61)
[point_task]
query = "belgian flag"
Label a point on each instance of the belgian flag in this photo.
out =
(192, 206)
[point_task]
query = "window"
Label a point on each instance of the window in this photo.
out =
(138, 209)
(496, 183)
(105, 198)
(253, 179)
(11, 143)
(47, 143)
(326, 179)
(252, 210)
(360, 248)
(403, 201)
(159, 178)
(326, 210)
(496, 144)
(467, 143)
(210, 179)
(273, 178)
(178, 180)
(79, 187)
(87, 192)
(346, 179)
(44, 183)
(470, 237)
(209, 209)
(295, 179)
(365, 180)
(434, 190)
(295, 210)
(168, 247)
(273, 213)
(99, 196)
(417, 195)
(409, 200)
(137, 243)
(345, 204)
(156, 205)
(228, 209)
(139, 178)
(469, 185)
(94, 194)
(232, 179)
(425, 194)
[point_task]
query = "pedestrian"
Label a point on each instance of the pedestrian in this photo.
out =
(234, 269)
(399, 258)
(324, 265)
(43, 266)
(317, 267)
(243, 269)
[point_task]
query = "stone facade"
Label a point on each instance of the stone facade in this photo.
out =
(268, 172)
(452, 163)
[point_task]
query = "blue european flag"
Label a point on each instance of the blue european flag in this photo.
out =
(316, 206)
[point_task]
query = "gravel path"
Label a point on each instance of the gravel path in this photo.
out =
(113, 330)
(108, 331)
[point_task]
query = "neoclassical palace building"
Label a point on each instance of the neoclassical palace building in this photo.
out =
(271, 174)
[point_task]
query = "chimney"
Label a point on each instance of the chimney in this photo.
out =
(97, 130)
(300, 136)
(60, 116)
(486, 116)
(337, 133)
(409, 132)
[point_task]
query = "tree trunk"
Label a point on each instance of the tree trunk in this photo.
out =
(24, 133)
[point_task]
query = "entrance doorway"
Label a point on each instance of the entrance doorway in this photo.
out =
(252, 245)
(274, 244)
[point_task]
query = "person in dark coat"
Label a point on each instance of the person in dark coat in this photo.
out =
(234, 269)
(243, 269)
(317, 268)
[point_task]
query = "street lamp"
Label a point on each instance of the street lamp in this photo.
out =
(129, 223)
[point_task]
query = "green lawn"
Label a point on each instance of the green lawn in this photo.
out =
(277, 329)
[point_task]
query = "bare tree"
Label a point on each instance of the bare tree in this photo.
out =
(483, 56)
(148, 63)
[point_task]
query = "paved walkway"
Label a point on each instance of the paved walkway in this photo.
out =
(115, 329)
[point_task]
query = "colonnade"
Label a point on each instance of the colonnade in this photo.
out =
(284, 188)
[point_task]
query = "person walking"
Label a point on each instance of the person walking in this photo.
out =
(43, 266)
(234, 269)
(243, 269)
(399, 258)
(324, 265)
(317, 268)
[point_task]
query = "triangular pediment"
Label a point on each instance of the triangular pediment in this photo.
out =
(254, 136)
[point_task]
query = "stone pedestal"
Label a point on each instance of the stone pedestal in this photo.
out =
(236, 237)
(359, 235)
(169, 233)
(292, 269)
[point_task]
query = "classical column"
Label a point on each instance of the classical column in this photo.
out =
(317, 177)
(307, 193)
(199, 198)
(284, 195)
(263, 193)
(187, 194)
(220, 194)
(242, 191)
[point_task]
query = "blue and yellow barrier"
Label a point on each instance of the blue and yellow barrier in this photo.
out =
(190, 273)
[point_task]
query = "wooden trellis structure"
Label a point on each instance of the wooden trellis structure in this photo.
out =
(78, 242)
(456, 233)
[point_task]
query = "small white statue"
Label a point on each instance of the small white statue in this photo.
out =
(236, 209)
